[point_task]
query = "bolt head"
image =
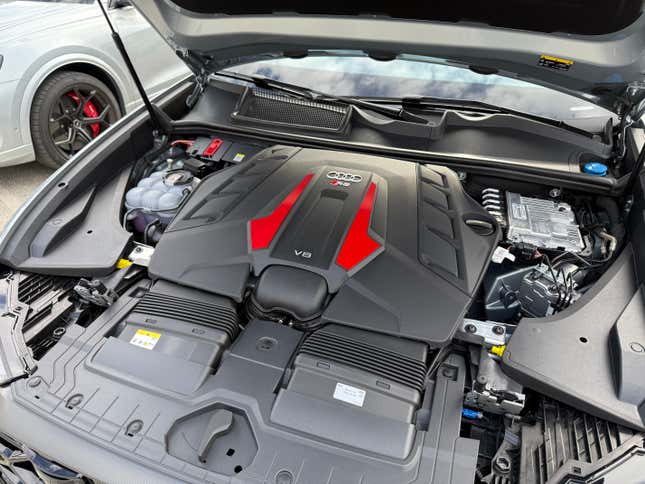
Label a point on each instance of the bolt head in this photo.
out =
(555, 192)
(284, 477)
(502, 464)
(134, 427)
(34, 382)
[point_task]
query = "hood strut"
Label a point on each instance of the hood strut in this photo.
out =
(160, 122)
(635, 173)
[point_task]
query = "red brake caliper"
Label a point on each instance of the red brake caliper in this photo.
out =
(90, 111)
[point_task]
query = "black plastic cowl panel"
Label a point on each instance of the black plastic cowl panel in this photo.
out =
(602, 339)
(389, 238)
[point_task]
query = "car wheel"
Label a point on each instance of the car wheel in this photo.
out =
(69, 110)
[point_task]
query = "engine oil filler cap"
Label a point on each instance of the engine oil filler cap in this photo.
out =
(594, 168)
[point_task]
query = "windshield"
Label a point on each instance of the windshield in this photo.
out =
(411, 76)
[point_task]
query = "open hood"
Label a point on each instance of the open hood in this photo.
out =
(595, 50)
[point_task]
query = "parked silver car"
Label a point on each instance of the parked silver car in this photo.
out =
(62, 81)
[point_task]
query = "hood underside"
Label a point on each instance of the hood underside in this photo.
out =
(598, 49)
(586, 17)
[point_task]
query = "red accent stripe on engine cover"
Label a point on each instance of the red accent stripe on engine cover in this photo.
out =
(358, 244)
(264, 229)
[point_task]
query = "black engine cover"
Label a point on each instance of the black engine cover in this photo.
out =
(392, 239)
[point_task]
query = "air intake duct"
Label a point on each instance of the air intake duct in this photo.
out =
(287, 293)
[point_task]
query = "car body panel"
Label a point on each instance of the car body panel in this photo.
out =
(71, 34)
(608, 62)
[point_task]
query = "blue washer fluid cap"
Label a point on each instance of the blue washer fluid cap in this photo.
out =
(594, 168)
(471, 414)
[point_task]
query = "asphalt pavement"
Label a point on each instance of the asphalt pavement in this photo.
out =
(16, 184)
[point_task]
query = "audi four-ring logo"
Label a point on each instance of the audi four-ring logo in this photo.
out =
(343, 176)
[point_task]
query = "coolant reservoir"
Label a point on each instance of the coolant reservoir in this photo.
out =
(158, 196)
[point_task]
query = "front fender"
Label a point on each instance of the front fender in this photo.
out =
(53, 60)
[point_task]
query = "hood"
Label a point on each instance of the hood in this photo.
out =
(598, 52)
(21, 19)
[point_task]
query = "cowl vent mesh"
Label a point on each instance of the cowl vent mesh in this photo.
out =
(267, 107)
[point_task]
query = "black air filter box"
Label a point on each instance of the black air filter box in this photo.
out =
(355, 387)
(172, 339)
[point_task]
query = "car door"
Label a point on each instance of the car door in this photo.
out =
(156, 63)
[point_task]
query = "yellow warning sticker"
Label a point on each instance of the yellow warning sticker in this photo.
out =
(145, 339)
(123, 263)
(553, 62)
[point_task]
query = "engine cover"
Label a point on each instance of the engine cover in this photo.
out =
(400, 245)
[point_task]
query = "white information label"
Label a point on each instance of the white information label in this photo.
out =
(145, 339)
(349, 394)
(519, 211)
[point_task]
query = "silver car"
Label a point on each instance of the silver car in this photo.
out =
(62, 81)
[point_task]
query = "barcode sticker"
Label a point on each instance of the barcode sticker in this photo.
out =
(349, 394)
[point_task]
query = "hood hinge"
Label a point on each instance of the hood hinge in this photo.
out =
(201, 68)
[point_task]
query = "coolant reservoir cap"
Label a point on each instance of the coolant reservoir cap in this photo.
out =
(594, 168)
(177, 177)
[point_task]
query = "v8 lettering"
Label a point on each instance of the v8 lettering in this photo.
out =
(302, 253)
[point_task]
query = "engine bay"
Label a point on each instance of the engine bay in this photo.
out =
(308, 315)
(529, 250)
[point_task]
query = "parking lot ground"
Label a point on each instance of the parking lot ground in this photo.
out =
(16, 184)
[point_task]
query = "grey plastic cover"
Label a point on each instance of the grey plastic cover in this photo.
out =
(116, 428)
(393, 240)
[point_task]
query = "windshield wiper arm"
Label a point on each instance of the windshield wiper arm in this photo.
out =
(480, 106)
(299, 91)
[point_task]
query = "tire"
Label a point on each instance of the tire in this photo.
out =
(60, 114)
